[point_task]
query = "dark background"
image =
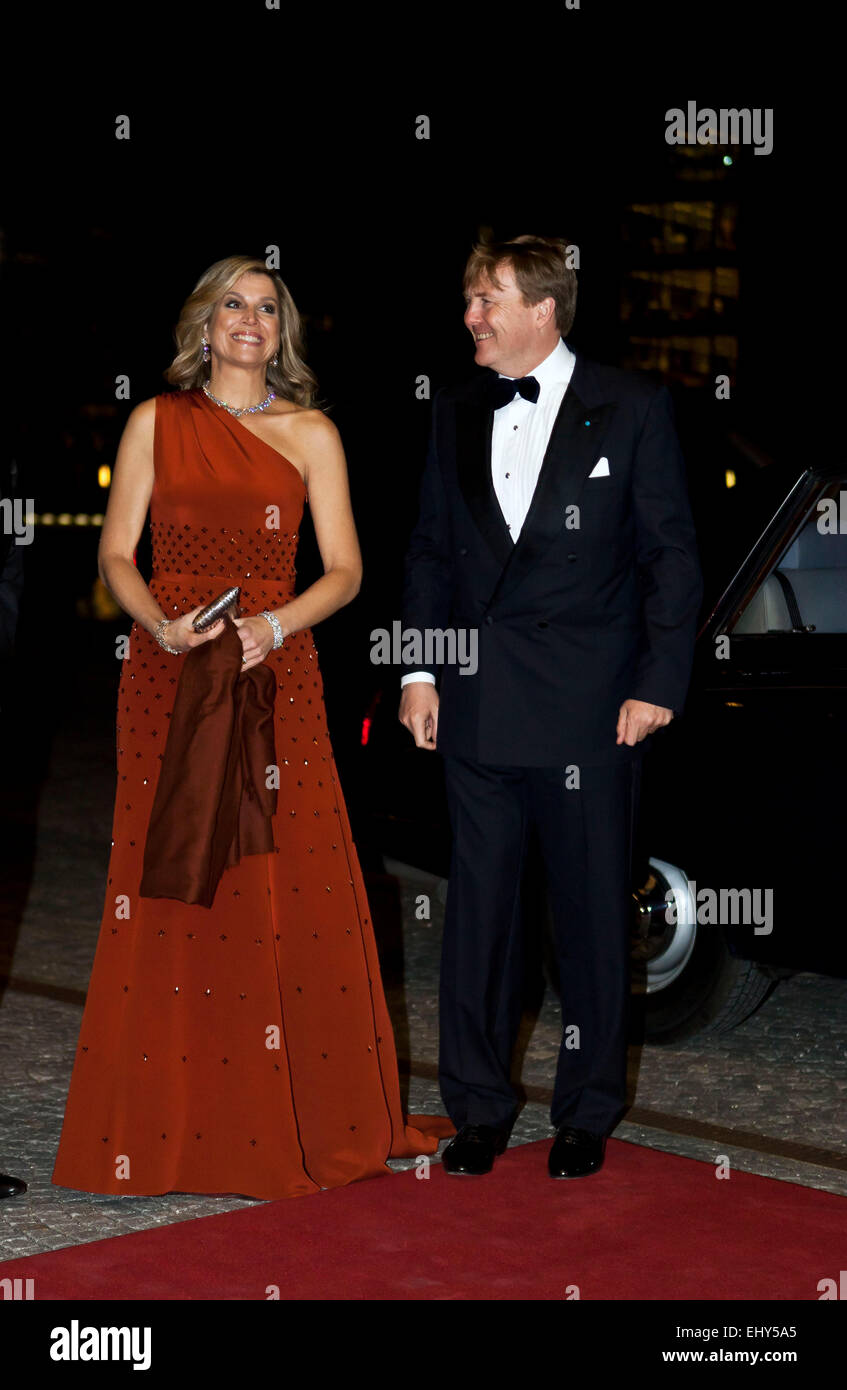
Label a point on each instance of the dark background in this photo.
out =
(104, 239)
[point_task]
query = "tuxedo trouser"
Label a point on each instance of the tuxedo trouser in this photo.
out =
(586, 839)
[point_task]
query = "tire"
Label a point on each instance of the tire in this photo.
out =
(709, 990)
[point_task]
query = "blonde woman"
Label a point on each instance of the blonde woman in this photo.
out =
(242, 1045)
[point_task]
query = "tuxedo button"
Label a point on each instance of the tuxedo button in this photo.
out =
(571, 557)
(542, 623)
(463, 550)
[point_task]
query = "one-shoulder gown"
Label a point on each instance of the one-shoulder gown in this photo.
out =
(244, 1047)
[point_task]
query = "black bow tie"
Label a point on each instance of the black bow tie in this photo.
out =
(503, 389)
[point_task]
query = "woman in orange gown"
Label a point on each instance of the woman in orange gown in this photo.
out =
(244, 1047)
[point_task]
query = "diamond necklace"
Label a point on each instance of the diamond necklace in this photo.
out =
(247, 409)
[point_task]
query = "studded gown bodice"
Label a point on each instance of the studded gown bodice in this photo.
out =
(225, 509)
(245, 1047)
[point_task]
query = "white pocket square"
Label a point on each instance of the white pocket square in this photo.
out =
(600, 469)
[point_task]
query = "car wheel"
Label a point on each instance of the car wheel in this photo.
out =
(689, 980)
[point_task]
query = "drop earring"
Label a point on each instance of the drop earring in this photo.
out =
(206, 353)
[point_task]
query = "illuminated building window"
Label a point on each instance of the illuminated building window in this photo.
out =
(680, 289)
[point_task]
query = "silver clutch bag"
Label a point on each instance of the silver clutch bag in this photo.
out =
(216, 609)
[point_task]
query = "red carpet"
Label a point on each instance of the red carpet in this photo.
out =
(649, 1225)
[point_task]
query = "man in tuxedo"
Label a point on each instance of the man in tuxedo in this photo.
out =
(554, 521)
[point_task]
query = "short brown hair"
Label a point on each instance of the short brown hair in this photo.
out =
(541, 270)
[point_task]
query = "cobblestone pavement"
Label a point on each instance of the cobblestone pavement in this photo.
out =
(770, 1095)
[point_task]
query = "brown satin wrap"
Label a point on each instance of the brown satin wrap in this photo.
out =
(212, 805)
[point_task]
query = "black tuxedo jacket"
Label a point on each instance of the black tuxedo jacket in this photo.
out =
(573, 619)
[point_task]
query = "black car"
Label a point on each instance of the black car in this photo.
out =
(738, 877)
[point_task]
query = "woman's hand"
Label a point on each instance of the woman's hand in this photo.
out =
(257, 639)
(180, 634)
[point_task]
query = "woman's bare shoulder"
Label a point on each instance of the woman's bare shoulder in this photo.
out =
(311, 423)
(142, 418)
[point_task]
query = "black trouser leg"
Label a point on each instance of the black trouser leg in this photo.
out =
(586, 837)
(481, 962)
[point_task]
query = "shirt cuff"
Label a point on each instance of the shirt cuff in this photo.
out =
(417, 676)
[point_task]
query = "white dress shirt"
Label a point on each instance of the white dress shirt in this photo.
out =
(519, 442)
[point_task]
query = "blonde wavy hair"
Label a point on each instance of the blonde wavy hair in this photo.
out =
(290, 378)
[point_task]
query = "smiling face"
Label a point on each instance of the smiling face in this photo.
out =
(245, 326)
(511, 337)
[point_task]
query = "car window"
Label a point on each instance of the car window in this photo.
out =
(806, 590)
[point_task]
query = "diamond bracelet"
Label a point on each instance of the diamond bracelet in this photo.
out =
(159, 634)
(277, 628)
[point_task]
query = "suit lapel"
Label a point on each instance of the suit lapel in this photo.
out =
(572, 451)
(474, 424)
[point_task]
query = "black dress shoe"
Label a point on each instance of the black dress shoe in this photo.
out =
(11, 1187)
(473, 1150)
(576, 1153)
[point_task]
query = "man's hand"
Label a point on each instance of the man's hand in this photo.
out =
(419, 712)
(637, 719)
